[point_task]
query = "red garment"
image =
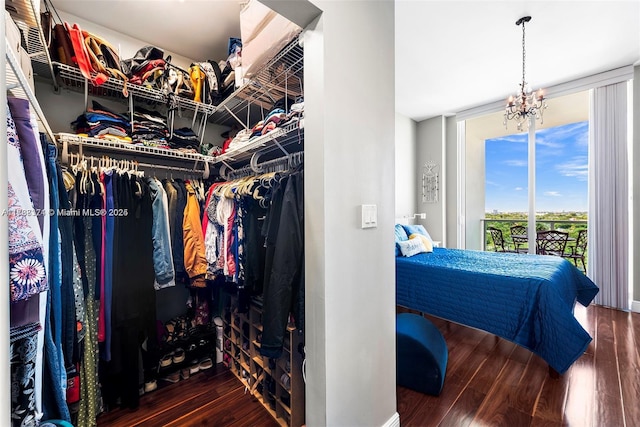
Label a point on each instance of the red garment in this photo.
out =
(205, 218)
(81, 57)
(225, 145)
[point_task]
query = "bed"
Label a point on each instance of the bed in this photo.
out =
(527, 299)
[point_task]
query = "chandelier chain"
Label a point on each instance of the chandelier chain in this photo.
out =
(526, 104)
(523, 57)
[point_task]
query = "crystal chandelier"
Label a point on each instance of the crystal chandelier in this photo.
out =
(526, 103)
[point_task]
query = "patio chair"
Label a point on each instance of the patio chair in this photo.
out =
(552, 242)
(577, 252)
(499, 245)
(519, 237)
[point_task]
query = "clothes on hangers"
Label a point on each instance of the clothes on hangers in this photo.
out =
(162, 255)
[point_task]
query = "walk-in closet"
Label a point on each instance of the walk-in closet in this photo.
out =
(155, 218)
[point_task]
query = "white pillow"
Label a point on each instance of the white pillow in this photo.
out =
(411, 247)
(426, 241)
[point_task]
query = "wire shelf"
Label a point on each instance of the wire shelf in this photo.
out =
(283, 76)
(71, 139)
(17, 83)
(27, 17)
(284, 140)
(72, 78)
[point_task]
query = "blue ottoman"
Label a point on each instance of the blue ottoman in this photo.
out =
(421, 354)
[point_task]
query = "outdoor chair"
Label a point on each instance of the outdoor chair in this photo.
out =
(578, 251)
(552, 242)
(519, 237)
(499, 245)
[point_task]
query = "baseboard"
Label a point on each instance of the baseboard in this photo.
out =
(394, 421)
(635, 306)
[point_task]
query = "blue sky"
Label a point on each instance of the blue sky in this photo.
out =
(561, 170)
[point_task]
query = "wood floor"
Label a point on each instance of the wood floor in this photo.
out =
(210, 398)
(492, 382)
(489, 382)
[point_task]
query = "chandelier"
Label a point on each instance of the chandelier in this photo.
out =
(526, 103)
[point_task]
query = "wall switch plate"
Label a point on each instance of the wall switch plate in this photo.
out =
(369, 216)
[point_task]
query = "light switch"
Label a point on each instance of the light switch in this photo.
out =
(369, 216)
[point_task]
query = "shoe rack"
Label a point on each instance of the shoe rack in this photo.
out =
(276, 383)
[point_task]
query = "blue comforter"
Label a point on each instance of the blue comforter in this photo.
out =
(527, 299)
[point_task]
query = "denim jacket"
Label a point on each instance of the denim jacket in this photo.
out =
(162, 256)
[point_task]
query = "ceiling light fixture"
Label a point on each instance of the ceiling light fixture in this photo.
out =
(526, 103)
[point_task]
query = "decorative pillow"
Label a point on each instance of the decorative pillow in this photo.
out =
(417, 229)
(401, 236)
(411, 247)
(428, 244)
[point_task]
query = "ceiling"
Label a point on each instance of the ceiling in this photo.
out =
(450, 55)
(196, 29)
(455, 55)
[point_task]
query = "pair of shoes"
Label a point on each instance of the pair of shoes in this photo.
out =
(194, 369)
(185, 373)
(166, 360)
(173, 377)
(150, 386)
(178, 355)
(206, 363)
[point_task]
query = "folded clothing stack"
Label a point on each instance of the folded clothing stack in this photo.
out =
(101, 122)
(149, 127)
(184, 138)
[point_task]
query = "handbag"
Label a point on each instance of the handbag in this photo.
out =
(61, 47)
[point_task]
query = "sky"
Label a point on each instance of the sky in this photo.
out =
(561, 170)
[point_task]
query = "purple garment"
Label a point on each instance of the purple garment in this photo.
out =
(30, 156)
(27, 276)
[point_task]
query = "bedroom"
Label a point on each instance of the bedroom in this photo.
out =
(347, 264)
(491, 67)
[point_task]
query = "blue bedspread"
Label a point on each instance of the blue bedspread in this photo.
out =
(527, 299)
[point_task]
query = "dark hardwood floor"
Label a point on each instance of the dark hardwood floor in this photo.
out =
(210, 398)
(492, 382)
(489, 382)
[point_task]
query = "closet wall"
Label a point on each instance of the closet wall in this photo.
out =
(349, 161)
(62, 108)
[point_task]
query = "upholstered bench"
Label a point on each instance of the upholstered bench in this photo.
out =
(421, 354)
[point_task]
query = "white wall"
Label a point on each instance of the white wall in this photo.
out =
(635, 170)
(407, 180)
(451, 174)
(429, 147)
(474, 187)
(126, 45)
(349, 161)
(63, 107)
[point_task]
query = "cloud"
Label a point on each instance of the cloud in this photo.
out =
(517, 138)
(516, 163)
(518, 189)
(577, 167)
(548, 142)
(552, 193)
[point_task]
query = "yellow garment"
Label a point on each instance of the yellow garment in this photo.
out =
(195, 261)
(197, 77)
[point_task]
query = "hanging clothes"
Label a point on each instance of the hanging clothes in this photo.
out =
(22, 356)
(55, 378)
(284, 266)
(195, 261)
(162, 256)
(27, 275)
(133, 309)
